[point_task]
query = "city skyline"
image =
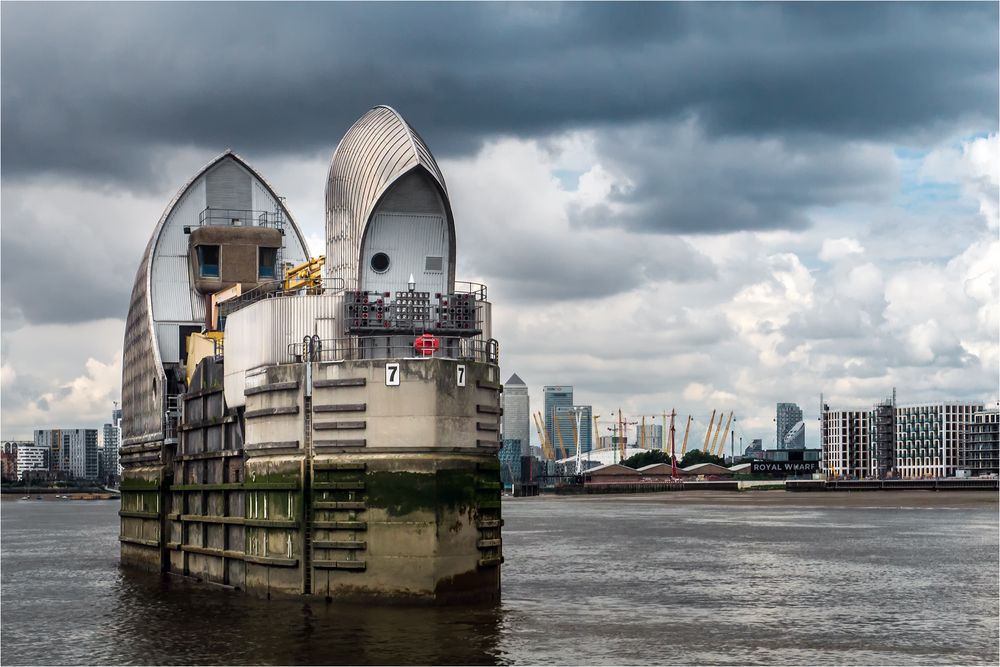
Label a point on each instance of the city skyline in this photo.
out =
(701, 245)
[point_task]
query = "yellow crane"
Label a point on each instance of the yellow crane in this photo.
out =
(308, 275)
(725, 434)
(687, 430)
(546, 445)
(715, 438)
(708, 433)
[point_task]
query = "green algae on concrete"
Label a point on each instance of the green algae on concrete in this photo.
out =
(401, 493)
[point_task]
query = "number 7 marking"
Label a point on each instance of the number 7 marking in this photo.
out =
(461, 375)
(392, 375)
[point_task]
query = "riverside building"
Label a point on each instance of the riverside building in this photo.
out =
(112, 442)
(982, 450)
(898, 441)
(930, 438)
(73, 452)
(846, 443)
(31, 458)
(328, 432)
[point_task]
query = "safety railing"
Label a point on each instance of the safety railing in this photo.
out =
(468, 287)
(356, 348)
(274, 289)
(171, 417)
(233, 217)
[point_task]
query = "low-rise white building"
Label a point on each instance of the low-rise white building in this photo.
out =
(31, 457)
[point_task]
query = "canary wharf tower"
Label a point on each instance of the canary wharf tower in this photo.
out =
(321, 426)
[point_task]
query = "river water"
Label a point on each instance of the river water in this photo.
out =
(624, 580)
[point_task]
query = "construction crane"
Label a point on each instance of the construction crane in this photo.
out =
(725, 434)
(623, 431)
(543, 438)
(708, 433)
(308, 275)
(687, 430)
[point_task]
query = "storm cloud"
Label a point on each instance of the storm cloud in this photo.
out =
(92, 89)
(700, 205)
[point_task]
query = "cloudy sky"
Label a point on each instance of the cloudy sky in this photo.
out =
(688, 206)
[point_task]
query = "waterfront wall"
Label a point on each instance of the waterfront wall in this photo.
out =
(331, 483)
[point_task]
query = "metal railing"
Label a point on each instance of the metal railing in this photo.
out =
(357, 348)
(274, 289)
(234, 217)
(468, 287)
(171, 417)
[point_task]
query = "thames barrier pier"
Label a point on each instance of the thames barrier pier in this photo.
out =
(314, 426)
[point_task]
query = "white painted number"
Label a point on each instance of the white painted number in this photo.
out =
(392, 375)
(461, 375)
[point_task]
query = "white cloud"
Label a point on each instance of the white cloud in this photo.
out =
(975, 165)
(645, 322)
(836, 249)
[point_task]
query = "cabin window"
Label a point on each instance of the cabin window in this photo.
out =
(267, 260)
(208, 261)
(380, 262)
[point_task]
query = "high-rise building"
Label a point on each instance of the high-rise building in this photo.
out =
(846, 443)
(613, 441)
(754, 449)
(72, 451)
(559, 427)
(112, 441)
(585, 423)
(791, 432)
(650, 436)
(982, 447)
(516, 420)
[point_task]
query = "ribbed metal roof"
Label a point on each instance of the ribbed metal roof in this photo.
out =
(376, 151)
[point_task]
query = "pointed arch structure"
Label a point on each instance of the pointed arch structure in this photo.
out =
(164, 298)
(381, 158)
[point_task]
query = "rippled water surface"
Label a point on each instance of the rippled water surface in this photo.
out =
(627, 580)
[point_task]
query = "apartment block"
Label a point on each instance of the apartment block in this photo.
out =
(846, 442)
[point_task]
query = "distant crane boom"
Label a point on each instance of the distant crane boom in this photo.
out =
(562, 445)
(725, 434)
(687, 430)
(708, 433)
(542, 437)
(715, 438)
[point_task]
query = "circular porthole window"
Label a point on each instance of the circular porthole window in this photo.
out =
(380, 262)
